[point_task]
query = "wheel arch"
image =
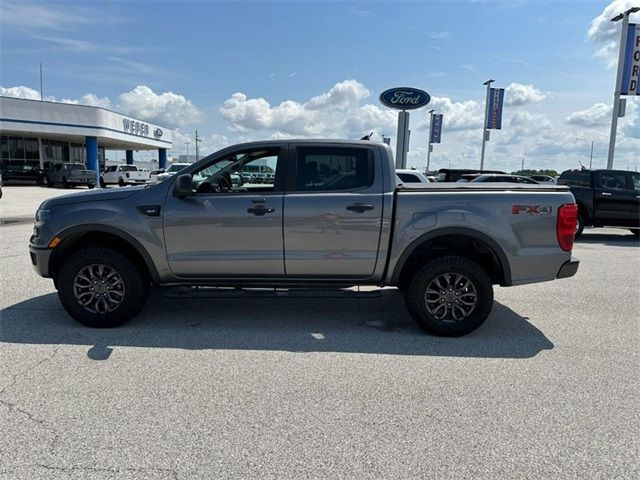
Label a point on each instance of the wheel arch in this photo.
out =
(102, 235)
(585, 212)
(454, 240)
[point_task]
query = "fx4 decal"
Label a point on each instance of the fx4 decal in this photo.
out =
(532, 209)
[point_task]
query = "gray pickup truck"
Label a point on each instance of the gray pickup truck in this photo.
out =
(334, 217)
(70, 175)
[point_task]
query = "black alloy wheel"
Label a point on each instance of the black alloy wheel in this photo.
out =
(449, 296)
(101, 287)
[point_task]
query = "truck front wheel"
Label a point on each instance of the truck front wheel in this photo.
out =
(449, 296)
(101, 288)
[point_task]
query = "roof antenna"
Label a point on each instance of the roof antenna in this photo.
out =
(367, 137)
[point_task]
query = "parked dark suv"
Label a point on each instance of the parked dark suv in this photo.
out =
(605, 198)
(22, 172)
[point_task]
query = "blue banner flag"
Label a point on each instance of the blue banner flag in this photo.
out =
(631, 69)
(496, 99)
(436, 129)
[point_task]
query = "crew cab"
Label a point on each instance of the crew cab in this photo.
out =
(605, 198)
(70, 175)
(123, 175)
(334, 217)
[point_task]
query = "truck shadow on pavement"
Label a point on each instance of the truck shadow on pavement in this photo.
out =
(614, 240)
(378, 325)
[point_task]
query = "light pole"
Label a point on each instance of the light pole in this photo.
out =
(430, 134)
(187, 142)
(616, 95)
(484, 123)
(591, 154)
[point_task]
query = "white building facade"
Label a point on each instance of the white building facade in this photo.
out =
(46, 133)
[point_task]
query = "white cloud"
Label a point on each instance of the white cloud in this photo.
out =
(95, 101)
(167, 108)
(464, 115)
(517, 94)
(438, 35)
(342, 94)
(39, 17)
(20, 92)
(606, 34)
(597, 115)
(335, 113)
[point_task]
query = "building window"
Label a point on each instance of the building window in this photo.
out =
(19, 150)
(55, 151)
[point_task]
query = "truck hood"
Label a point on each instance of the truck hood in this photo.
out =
(91, 196)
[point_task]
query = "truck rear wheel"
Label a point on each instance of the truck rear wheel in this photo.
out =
(449, 296)
(579, 227)
(101, 288)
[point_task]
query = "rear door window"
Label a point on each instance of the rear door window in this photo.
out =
(322, 169)
(613, 180)
(408, 178)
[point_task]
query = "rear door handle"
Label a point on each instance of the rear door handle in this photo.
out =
(260, 210)
(359, 207)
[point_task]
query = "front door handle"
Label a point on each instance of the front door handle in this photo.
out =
(359, 207)
(260, 210)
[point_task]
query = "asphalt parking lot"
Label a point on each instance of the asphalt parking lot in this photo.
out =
(279, 387)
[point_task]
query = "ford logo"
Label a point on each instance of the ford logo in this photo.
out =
(405, 98)
(157, 132)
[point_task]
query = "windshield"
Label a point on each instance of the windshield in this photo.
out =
(176, 167)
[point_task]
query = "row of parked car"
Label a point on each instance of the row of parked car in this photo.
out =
(465, 175)
(75, 174)
(605, 198)
(69, 175)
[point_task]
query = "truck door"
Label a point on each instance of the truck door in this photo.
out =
(225, 230)
(332, 212)
(614, 198)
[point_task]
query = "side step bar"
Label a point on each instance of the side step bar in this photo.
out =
(224, 292)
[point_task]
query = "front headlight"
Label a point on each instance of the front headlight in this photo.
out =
(42, 215)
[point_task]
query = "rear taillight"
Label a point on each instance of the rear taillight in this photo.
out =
(127, 174)
(566, 226)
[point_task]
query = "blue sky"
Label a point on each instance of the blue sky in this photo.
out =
(254, 70)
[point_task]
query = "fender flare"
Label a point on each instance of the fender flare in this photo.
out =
(467, 232)
(116, 232)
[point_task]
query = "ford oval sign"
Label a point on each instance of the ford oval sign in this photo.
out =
(405, 98)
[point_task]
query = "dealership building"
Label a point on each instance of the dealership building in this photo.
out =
(47, 133)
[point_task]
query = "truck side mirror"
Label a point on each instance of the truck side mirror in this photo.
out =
(183, 186)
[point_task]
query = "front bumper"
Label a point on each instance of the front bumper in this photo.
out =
(40, 260)
(569, 268)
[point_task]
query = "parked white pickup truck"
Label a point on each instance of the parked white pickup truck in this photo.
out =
(123, 175)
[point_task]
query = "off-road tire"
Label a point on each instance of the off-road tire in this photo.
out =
(416, 300)
(136, 287)
(102, 183)
(579, 227)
